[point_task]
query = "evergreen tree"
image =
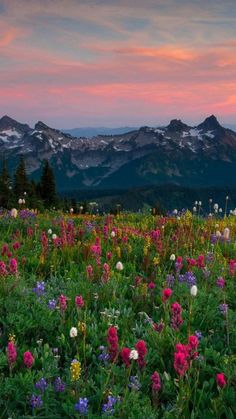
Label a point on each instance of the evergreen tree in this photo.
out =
(48, 185)
(5, 187)
(21, 183)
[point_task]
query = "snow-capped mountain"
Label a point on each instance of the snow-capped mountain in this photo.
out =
(177, 153)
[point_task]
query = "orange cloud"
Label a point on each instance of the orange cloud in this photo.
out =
(8, 37)
(168, 52)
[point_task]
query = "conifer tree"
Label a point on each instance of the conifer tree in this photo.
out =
(21, 183)
(48, 185)
(5, 187)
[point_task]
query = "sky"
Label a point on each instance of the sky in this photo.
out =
(73, 63)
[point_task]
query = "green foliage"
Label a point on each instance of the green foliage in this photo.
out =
(125, 300)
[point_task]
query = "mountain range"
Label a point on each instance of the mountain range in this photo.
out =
(178, 154)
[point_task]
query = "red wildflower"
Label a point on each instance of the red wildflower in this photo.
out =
(221, 380)
(112, 339)
(156, 382)
(176, 318)
(193, 342)
(62, 302)
(142, 352)
(166, 294)
(89, 271)
(28, 359)
(180, 363)
(125, 353)
(200, 261)
(11, 353)
(79, 301)
(13, 266)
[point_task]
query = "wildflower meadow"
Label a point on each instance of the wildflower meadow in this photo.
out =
(124, 316)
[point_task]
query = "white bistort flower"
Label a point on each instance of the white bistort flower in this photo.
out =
(73, 332)
(226, 233)
(54, 236)
(133, 354)
(113, 234)
(193, 290)
(119, 266)
(172, 257)
(49, 231)
(14, 212)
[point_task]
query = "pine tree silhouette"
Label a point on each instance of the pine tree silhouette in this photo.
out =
(21, 184)
(48, 185)
(5, 186)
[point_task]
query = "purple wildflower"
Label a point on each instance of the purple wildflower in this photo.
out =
(52, 304)
(223, 308)
(41, 384)
(36, 401)
(220, 282)
(39, 290)
(198, 334)
(59, 386)
(170, 280)
(108, 408)
(190, 279)
(103, 356)
(134, 383)
(82, 406)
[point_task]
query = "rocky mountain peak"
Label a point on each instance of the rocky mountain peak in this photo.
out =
(176, 125)
(41, 126)
(6, 123)
(210, 123)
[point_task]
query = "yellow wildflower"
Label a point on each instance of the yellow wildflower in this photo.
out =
(75, 370)
(82, 327)
(155, 261)
(118, 252)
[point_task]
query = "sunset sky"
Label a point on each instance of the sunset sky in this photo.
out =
(78, 63)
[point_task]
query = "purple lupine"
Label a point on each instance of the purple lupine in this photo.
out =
(103, 356)
(39, 290)
(82, 406)
(36, 401)
(58, 385)
(108, 408)
(170, 280)
(134, 383)
(198, 334)
(52, 304)
(41, 384)
(223, 309)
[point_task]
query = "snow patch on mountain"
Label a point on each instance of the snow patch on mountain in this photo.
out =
(12, 133)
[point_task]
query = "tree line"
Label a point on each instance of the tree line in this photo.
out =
(20, 190)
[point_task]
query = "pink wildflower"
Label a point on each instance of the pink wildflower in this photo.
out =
(11, 353)
(125, 353)
(79, 301)
(166, 294)
(13, 267)
(142, 352)
(28, 359)
(221, 380)
(63, 302)
(156, 382)
(112, 339)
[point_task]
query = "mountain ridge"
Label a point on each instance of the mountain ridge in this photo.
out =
(178, 153)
